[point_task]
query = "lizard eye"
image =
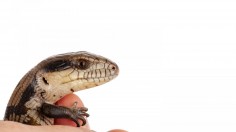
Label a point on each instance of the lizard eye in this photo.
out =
(83, 64)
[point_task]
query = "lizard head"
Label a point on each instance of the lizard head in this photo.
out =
(67, 73)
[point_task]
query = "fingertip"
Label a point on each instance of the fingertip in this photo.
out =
(68, 101)
(117, 130)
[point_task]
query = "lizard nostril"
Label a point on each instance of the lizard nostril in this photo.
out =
(113, 68)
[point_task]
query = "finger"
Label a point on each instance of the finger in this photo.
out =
(9, 126)
(68, 101)
(61, 128)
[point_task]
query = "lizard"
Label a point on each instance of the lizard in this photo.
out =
(33, 100)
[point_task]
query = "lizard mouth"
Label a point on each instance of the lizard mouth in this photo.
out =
(98, 75)
(76, 80)
(84, 80)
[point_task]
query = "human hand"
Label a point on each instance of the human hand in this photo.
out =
(61, 125)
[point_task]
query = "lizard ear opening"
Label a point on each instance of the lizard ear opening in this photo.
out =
(45, 81)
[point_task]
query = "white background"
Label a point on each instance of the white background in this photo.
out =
(177, 59)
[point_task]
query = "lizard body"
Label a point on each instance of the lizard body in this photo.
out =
(33, 99)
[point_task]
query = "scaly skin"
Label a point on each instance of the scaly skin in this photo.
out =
(32, 101)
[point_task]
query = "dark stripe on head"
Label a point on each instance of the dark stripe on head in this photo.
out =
(58, 65)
